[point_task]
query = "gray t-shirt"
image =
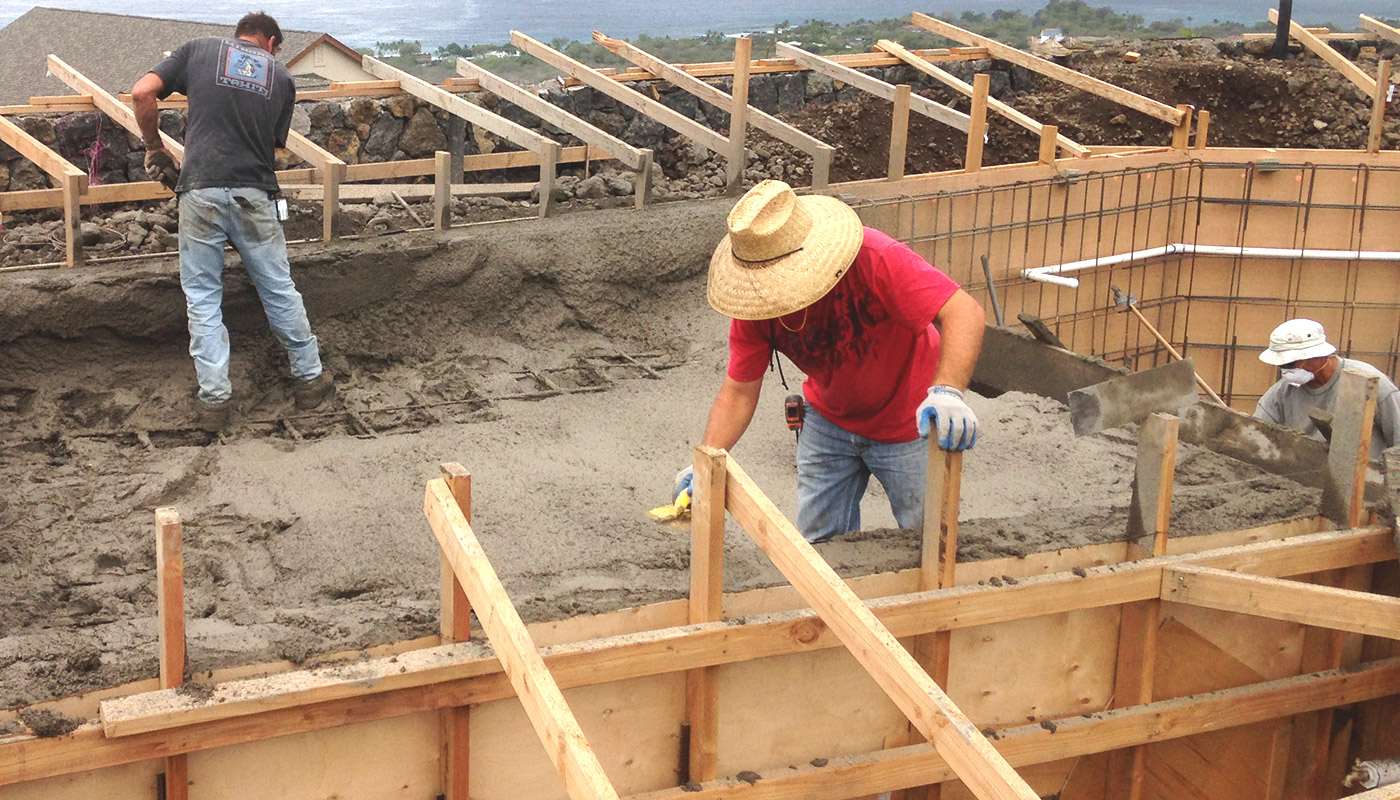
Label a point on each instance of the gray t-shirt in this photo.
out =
(1288, 405)
(241, 101)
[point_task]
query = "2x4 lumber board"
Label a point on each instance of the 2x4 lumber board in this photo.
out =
(762, 120)
(926, 705)
(44, 157)
(865, 83)
(688, 647)
(170, 613)
(1073, 737)
(332, 175)
(554, 115)
(977, 133)
(476, 115)
(1202, 129)
(1049, 135)
(544, 703)
(1378, 103)
(952, 81)
(72, 188)
(1181, 136)
(474, 163)
(1349, 451)
(1322, 50)
(108, 104)
(1291, 601)
(739, 113)
(899, 132)
(1376, 26)
(706, 605)
(454, 625)
(1078, 80)
(654, 109)
(717, 69)
(442, 191)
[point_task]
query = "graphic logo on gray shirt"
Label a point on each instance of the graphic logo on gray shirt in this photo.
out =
(243, 69)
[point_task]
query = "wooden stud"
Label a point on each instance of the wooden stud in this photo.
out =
(949, 79)
(885, 91)
(1378, 103)
(1291, 601)
(332, 176)
(72, 186)
(1350, 449)
(549, 713)
(554, 115)
(654, 109)
(1078, 80)
(442, 191)
(1202, 129)
(899, 132)
(549, 166)
(1376, 26)
(1149, 515)
(1048, 143)
(926, 705)
(736, 158)
(1077, 736)
(706, 605)
(821, 168)
(455, 626)
(170, 614)
(689, 82)
(977, 134)
(1325, 51)
(1181, 134)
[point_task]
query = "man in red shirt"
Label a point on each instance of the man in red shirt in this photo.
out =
(856, 311)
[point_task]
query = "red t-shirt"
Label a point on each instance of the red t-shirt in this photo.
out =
(868, 346)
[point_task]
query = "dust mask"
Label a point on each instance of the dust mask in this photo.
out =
(1297, 376)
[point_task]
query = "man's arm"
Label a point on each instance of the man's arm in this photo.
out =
(143, 101)
(731, 412)
(960, 323)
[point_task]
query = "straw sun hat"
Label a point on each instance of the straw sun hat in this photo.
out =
(782, 252)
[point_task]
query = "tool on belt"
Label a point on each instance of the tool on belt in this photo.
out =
(795, 411)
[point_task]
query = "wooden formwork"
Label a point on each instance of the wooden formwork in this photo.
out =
(1185, 669)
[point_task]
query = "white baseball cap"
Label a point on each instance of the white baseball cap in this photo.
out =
(1296, 340)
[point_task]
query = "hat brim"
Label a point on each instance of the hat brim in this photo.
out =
(1277, 358)
(766, 289)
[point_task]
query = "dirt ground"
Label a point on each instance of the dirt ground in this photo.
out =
(568, 363)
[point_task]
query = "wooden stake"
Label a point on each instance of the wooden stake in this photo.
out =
(442, 190)
(549, 161)
(706, 605)
(1202, 129)
(1350, 450)
(641, 186)
(1048, 143)
(938, 566)
(1181, 134)
(455, 626)
(821, 168)
(977, 130)
(73, 218)
(739, 116)
(331, 177)
(170, 611)
(1137, 629)
(1373, 141)
(899, 132)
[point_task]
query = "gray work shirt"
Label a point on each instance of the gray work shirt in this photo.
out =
(1288, 405)
(241, 100)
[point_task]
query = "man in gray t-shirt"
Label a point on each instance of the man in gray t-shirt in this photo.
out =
(240, 110)
(1310, 378)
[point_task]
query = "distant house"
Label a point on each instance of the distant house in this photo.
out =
(115, 50)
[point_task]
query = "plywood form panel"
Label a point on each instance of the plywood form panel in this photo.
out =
(126, 782)
(1071, 779)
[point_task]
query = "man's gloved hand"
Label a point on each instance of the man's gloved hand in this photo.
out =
(951, 418)
(685, 483)
(161, 167)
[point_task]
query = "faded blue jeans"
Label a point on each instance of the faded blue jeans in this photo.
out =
(834, 468)
(248, 219)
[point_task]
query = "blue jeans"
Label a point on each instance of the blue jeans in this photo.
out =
(248, 219)
(834, 468)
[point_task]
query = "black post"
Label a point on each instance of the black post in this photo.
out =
(1285, 20)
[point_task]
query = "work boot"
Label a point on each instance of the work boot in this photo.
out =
(311, 394)
(214, 418)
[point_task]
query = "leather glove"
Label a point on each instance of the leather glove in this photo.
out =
(685, 483)
(945, 412)
(161, 167)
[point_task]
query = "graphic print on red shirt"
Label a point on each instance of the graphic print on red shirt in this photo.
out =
(869, 346)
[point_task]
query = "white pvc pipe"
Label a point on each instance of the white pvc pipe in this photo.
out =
(1052, 273)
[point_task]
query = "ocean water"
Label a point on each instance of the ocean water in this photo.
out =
(438, 22)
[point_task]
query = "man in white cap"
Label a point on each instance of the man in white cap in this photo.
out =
(1310, 374)
(887, 341)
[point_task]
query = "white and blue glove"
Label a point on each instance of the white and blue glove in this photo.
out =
(685, 482)
(945, 412)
